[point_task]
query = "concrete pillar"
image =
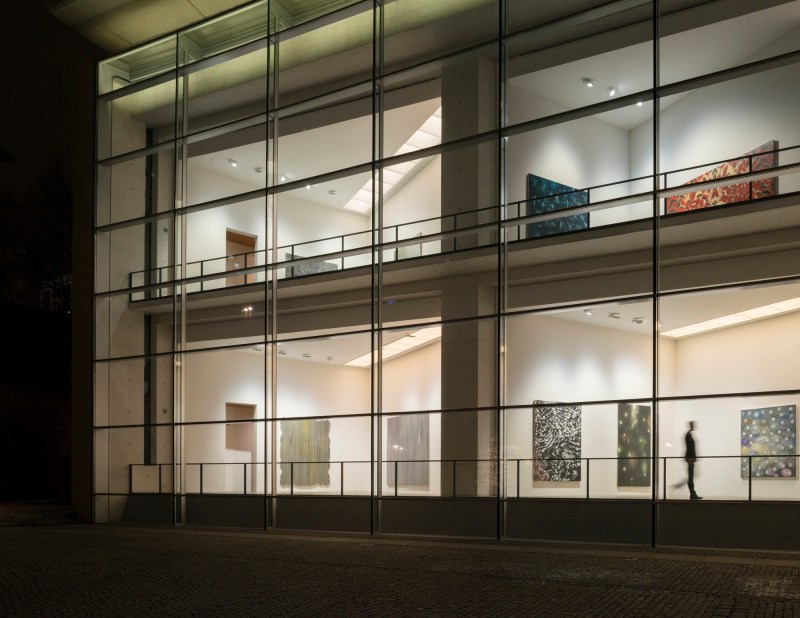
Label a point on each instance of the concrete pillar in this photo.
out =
(469, 349)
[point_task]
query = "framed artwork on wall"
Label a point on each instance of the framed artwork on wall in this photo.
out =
(761, 158)
(769, 436)
(556, 442)
(305, 451)
(634, 423)
(408, 442)
(545, 195)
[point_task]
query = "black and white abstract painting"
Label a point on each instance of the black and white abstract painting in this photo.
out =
(556, 442)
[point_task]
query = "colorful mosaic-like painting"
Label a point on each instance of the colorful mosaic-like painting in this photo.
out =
(769, 435)
(633, 445)
(762, 158)
(556, 442)
(546, 195)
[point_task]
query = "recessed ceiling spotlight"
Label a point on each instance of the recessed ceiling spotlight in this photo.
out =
(587, 311)
(283, 178)
(233, 163)
(332, 192)
(308, 187)
(612, 91)
(588, 82)
(639, 103)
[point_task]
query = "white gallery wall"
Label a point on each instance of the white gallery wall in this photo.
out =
(413, 382)
(548, 359)
(726, 120)
(580, 154)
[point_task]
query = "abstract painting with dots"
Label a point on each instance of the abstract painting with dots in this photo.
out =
(769, 435)
(556, 442)
(633, 445)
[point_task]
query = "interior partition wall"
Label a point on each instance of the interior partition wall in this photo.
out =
(467, 268)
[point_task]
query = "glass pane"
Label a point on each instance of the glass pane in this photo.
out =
(730, 341)
(579, 451)
(740, 33)
(135, 188)
(746, 447)
(322, 376)
(234, 29)
(412, 453)
(324, 239)
(595, 352)
(209, 89)
(416, 31)
(135, 118)
(324, 456)
(224, 385)
(552, 70)
(226, 458)
(137, 65)
(343, 119)
(706, 215)
(412, 369)
(337, 53)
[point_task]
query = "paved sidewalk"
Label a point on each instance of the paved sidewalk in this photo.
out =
(83, 570)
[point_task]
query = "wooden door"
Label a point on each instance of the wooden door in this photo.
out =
(240, 251)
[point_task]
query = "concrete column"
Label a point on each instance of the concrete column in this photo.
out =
(469, 349)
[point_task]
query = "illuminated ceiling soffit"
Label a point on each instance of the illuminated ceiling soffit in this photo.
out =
(117, 25)
(324, 42)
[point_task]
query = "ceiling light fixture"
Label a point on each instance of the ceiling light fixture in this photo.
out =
(283, 178)
(308, 187)
(588, 82)
(259, 170)
(639, 103)
(233, 163)
(587, 311)
(614, 316)
(612, 91)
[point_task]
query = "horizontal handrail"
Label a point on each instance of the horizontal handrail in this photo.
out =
(449, 229)
(510, 470)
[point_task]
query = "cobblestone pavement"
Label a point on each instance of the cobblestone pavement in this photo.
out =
(83, 570)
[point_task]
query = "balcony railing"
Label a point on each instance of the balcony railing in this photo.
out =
(608, 204)
(724, 477)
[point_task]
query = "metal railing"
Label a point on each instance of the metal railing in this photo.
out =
(720, 477)
(438, 235)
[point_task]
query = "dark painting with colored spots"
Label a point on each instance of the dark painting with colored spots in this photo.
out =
(556, 442)
(633, 445)
(545, 195)
(769, 439)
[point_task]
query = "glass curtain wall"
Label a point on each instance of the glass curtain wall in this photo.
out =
(448, 250)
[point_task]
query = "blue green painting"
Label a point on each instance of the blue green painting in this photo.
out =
(769, 437)
(545, 195)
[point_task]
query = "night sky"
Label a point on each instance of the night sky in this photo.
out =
(37, 59)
